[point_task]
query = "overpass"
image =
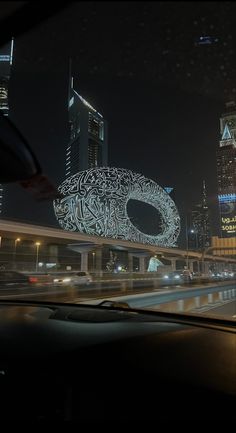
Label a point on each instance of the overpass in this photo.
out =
(84, 243)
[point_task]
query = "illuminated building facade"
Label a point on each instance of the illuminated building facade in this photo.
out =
(6, 57)
(199, 231)
(224, 246)
(87, 147)
(226, 172)
(95, 202)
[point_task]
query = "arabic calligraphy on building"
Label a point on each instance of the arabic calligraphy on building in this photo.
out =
(95, 202)
(228, 220)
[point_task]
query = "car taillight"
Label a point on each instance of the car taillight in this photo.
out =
(33, 279)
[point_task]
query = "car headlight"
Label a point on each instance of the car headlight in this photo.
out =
(166, 277)
(66, 280)
(177, 277)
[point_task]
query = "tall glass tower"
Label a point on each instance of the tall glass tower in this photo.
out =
(87, 147)
(226, 171)
(200, 223)
(6, 57)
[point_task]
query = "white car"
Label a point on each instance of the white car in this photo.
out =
(73, 278)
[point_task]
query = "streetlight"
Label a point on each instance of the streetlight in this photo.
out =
(187, 243)
(37, 244)
(14, 252)
(196, 246)
(93, 253)
(196, 239)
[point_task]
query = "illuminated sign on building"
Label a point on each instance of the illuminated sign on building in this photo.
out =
(227, 198)
(228, 228)
(226, 171)
(228, 213)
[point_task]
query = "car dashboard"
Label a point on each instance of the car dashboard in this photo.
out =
(94, 364)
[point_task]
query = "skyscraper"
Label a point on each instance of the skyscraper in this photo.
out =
(199, 235)
(6, 57)
(226, 171)
(87, 147)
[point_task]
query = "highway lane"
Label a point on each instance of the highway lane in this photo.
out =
(227, 309)
(170, 294)
(52, 292)
(139, 297)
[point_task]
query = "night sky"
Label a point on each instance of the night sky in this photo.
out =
(141, 65)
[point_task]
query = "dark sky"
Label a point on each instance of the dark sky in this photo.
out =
(140, 64)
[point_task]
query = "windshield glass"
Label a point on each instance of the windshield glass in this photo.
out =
(130, 109)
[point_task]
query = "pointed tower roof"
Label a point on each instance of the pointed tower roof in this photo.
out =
(226, 134)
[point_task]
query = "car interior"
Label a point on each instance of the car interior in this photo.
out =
(95, 364)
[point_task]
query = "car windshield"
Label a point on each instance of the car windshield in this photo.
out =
(130, 110)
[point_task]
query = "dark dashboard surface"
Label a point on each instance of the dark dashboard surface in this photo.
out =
(78, 362)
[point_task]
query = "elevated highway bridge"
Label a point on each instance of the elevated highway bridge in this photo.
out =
(85, 244)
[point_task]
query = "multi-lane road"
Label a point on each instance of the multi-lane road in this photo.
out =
(218, 298)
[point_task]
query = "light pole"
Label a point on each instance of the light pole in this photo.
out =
(196, 240)
(186, 233)
(93, 253)
(14, 252)
(196, 245)
(37, 244)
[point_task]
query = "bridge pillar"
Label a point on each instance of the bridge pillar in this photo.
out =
(142, 265)
(173, 264)
(141, 260)
(84, 261)
(198, 266)
(191, 265)
(53, 253)
(84, 250)
(130, 262)
(195, 266)
(205, 267)
(98, 261)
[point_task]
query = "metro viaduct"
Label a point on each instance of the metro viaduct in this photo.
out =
(85, 244)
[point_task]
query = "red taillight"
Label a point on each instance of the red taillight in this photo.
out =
(33, 279)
